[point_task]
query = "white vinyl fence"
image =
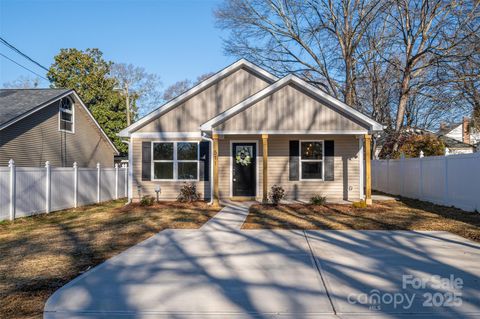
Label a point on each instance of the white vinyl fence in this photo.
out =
(452, 180)
(26, 191)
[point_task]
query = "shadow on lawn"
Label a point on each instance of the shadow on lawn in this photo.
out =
(182, 273)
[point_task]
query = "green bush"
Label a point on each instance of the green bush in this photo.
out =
(147, 200)
(188, 193)
(276, 194)
(318, 200)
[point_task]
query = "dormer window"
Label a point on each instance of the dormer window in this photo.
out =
(66, 115)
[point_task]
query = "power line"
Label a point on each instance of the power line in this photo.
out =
(11, 46)
(6, 57)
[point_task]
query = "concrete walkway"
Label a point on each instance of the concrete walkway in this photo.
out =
(221, 271)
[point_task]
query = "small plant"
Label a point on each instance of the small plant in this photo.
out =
(276, 194)
(188, 193)
(318, 200)
(360, 204)
(147, 200)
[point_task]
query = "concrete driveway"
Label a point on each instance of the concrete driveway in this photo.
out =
(221, 271)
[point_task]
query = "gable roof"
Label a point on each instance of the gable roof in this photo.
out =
(197, 89)
(16, 104)
(292, 79)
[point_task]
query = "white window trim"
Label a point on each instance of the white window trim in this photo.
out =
(60, 109)
(175, 162)
(322, 160)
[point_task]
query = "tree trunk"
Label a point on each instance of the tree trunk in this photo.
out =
(349, 92)
(402, 104)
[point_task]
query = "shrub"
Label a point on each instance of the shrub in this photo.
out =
(188, 193)
(411, 144)
(276, 194)
(147, 200)
(318, 200)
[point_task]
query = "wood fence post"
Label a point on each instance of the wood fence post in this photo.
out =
(116, 180)
(265, 168)
(11, 165)
(47, 187)
(98, 182)
(75, 185)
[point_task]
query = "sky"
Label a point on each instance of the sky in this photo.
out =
(174, 39)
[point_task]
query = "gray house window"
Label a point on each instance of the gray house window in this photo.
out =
(66, 123)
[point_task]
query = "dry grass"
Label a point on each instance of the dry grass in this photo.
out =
(405, 214)
(40, 254)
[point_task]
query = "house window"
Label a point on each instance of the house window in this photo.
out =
(311, 160)
(175, 160)
(66, 115)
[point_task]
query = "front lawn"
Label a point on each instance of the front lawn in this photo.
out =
(40, 254)
(406, 214)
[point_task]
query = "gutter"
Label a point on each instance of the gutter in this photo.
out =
(206, 138)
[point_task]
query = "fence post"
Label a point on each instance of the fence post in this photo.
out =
(11, 165)
(446, 180)
(126, 180)
(75, 184)
(116, 180)
(402, 173)
(98, 182)
(420, 159)
(47, 186)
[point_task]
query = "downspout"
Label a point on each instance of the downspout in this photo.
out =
(206, 138)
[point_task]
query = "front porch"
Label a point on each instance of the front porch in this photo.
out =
(342, 172)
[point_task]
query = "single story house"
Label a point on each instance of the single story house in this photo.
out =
(39, 125)
(243, 130)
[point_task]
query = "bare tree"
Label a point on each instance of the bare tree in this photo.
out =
(137, 86)
(179, 87)
(316, 39)
(424, 35)
(22, 82)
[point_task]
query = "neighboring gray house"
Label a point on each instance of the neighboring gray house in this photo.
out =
(38, 125)
(243, 130)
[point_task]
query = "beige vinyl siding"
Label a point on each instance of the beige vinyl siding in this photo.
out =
(290, 109)
(346, 179)
(205, 105)
(169, 189)
(346, 169)
(36, 139)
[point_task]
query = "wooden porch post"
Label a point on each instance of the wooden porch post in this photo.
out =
(215, 169)
(265, 167)
(368, 169)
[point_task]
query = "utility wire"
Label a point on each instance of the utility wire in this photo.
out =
(6, 57)
(11, 46)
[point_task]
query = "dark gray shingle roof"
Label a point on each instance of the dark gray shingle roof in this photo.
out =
(15, 102)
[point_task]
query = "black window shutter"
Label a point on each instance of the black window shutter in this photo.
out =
(146, 161)
(329, 161)
(294, 161)
(204, 173)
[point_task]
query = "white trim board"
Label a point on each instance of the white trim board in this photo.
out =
(286, 132)
(290, 79)
(242, 63)
(166, 135)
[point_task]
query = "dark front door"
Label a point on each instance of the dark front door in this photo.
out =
(244, 168)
